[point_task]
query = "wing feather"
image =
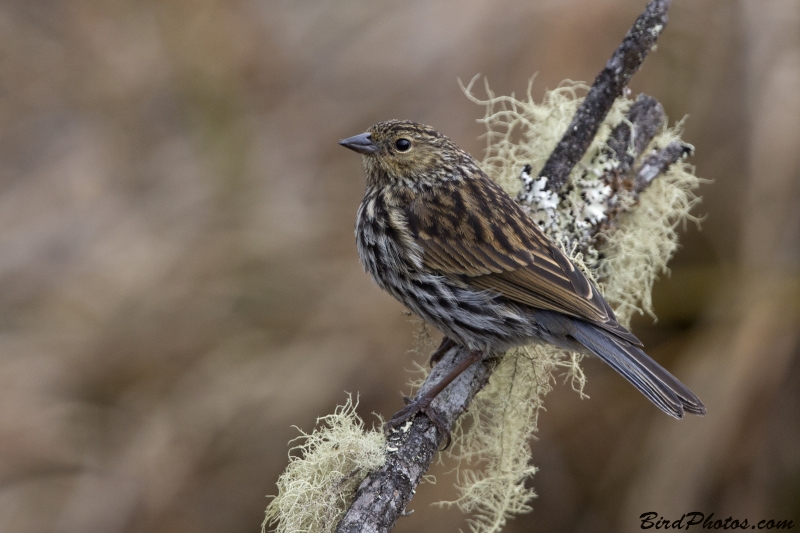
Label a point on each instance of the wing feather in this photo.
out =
(491, 244)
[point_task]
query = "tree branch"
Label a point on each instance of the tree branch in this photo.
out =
(659, 161)
(627, 142)
(647, 117)
(607, 87)
(384, 494)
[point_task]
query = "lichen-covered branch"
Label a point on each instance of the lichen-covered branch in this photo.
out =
(384, 494)
(628, 141)
(659, 161)
(607, 87)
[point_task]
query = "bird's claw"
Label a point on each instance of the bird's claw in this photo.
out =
(414, 407)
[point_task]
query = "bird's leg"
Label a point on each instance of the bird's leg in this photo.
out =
(446, 344)
(422, 404)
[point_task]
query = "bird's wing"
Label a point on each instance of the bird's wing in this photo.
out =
(472, 231)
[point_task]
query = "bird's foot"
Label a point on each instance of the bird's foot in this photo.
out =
(414, 407)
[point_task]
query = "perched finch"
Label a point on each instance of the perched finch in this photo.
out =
(440, 236)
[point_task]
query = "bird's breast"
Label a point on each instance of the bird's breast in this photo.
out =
(385, 245)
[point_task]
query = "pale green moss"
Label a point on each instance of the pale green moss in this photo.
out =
(646, 238)
(324, 472)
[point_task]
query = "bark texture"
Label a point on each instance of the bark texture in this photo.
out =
(607, 87)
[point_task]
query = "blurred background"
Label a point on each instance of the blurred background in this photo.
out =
(179, 282)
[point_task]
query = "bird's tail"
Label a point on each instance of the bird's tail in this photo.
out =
(652, 380)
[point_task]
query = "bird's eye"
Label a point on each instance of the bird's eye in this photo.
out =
(402, 145)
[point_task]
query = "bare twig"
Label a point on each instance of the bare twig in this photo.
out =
(627, 141)
(647, 117)
(607, 87)
(659, 161)
(383, 496)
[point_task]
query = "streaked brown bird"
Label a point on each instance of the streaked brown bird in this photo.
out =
(439, 235)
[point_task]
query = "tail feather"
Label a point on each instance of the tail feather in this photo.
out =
(652, 380)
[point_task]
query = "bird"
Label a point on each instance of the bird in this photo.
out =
(435, 232)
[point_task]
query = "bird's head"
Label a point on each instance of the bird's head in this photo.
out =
(401, 151)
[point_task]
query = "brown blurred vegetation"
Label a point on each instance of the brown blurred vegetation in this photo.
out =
(180, 283)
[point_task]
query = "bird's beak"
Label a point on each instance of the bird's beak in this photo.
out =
(360, 143)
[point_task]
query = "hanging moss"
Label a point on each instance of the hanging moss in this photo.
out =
(324, 471)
